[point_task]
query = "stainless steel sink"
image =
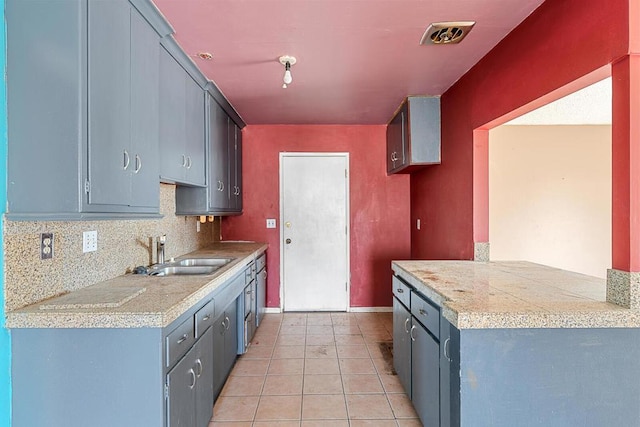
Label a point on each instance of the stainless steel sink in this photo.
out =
(189, 266)
(181, 270)
(213, 262)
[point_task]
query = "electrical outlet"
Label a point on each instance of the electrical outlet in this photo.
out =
(197, 226)
(46, 245)
(271, 223)
(89, 241)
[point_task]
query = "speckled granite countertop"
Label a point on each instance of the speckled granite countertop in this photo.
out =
(163, 300)
(515, 294)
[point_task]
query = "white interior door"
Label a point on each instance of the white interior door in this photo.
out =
(314, 231)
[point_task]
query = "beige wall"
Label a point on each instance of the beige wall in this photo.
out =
(550, 196)
(122, 245)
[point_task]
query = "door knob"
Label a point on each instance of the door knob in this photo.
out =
(287, 241)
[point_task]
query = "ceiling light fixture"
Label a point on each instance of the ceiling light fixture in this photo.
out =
(287, 61)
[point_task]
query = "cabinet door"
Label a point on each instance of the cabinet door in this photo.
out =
(172, 118)
(402, 344)
(194, 132)
(145, 78)
(110, 157)
(218, 157)
(235, 166)
(261, 295)
(445, 372)
(181, 381)
(219, 373)
(231, 337)
(204, 374)
(425, 375)
(396, 140)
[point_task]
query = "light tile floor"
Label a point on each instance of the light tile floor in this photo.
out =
(316, 369)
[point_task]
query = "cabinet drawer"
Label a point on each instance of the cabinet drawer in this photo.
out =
(426, 313)
(204, 318)
(261, 262)
(179, 341)
(249, 273)
(401, 291)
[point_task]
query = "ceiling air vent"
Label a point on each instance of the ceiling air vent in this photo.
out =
(446, 32)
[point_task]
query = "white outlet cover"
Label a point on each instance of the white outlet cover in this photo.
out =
(89, 241)
(271, 223)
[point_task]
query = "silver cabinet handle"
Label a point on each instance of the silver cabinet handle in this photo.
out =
(193, 378)
(265, 274)
(138, 164)
(423, 312)
(182, 339)
(288, 241)
(222, 183)
(400, 290)
(405, 324)
(249, 292)
(228, 322)
(445, 349)
(199, 366)
(184, 161)
(411, 333)
(205, 318)
(126, 160)
(188, 162)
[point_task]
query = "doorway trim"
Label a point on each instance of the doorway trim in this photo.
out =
(347, 213)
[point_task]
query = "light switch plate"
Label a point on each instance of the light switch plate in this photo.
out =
(271, 223)
(89, 241)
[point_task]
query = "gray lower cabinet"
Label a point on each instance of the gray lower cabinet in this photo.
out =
(225, 346)
(425, 375)
(402, 344)
(223, 194)
(261, 288)
(182, 124)
(190, 386)
(417, 352)
(97, 112)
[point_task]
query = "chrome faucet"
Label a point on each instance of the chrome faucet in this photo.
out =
(160, 248)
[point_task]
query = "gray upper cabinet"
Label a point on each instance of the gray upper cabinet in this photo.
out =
(413, 135)
(123, 107)
(182, 124)
(223, 194)
(218, 157)
(87, 146)
(235, 167)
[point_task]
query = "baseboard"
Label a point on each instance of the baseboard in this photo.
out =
(371, 309)
(351, 309)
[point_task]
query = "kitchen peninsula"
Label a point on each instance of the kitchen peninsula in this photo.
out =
(515, 343)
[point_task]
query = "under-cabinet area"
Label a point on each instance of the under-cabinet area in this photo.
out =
(493, 344)
(160, 358)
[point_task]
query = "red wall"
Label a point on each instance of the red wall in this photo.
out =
(379, 204)
(560, 42)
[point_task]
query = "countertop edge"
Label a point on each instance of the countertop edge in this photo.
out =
(569, 319)
(88, 319)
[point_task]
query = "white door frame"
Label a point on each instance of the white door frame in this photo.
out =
(347, 213)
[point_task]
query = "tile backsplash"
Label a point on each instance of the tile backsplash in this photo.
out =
(122, 245)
